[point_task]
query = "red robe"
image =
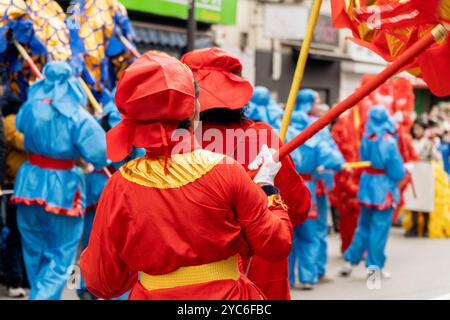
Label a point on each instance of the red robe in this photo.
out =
(201, 211)
(271, 277)
(347, 133)
(404, 98)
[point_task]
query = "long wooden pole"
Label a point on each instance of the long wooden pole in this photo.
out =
(357, 165)
(300, 69)
(97, 107)
(438, 33)
(129, 46)
(28, 60)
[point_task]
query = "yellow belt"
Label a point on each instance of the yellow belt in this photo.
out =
(184, 276)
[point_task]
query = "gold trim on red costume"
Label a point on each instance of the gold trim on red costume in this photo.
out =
(276, 200)
(181, 169)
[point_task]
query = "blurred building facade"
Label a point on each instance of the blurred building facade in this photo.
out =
(161, 24)
(267, 36)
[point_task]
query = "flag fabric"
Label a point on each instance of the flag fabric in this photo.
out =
(387, 14)
(390, 27)
(38, 25)
(435, 69)
(99, 55)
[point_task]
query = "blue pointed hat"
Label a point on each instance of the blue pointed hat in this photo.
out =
(379, 122)
(305, 100)
(263, 108)
(60, 87)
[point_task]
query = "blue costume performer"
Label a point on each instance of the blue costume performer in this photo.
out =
(378, 192)
(312, 156)
(324, 183)
(50, 189)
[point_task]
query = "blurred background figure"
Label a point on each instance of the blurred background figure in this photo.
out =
(306, 261)
(378, 193)
(263, 108)
(50, 190)
(445, 149)
(428, 206)
(324, 184)
(14, 155)
(347, 133)
(427, 149)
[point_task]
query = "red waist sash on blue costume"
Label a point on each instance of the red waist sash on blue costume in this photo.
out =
(374, 171)
(50, 163)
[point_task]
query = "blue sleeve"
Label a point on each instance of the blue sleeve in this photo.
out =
(394, 167)
(330, 157)
(364, 150)
(137, 153)
(336, 153)
(90, 140)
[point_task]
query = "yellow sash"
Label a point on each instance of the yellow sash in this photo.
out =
(184, 276)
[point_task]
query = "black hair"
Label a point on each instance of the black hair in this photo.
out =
(419, 122)
(185, 124)
(433, 123)
(223, 115)
(10, 103)
(104, 123)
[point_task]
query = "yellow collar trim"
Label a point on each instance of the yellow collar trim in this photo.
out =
(182, 169)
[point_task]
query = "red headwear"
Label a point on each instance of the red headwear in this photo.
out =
(403, 95)
(215, 71)
(153, 95)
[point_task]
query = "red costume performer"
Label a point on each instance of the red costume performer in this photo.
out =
(347, 133)
(402, 108)
(171, 225)
(221, 87)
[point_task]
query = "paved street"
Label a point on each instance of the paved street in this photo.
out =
(420, 270)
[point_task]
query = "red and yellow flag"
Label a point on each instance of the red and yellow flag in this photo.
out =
(389, 27)
(39, 26)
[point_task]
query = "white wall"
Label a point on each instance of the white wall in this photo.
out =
(250, 21)
(230, 37)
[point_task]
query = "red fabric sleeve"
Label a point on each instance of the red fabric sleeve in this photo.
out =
(105, 273)
(293, 189)
(267, 230)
